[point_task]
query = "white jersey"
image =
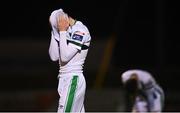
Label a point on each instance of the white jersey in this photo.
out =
(151, 97)
(145, 80)
(69, 47)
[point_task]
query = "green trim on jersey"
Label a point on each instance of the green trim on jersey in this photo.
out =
(71, 94)
(75, 43)
(83, 47)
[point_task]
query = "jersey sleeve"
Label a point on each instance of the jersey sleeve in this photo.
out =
(147, 80)
(67, 51)
(54, 17)
(79, 38)
(54, 47)
(124, 77)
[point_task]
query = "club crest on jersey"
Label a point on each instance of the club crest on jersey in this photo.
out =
(77, 37)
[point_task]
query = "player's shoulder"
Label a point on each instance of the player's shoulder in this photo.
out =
(139, 72)
(79, 26)
(129, 72)
(126, 75)
(80, 29)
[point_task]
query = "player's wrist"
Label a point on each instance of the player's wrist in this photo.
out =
(62, 32)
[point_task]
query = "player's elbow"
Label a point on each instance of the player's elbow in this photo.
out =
(53, 57)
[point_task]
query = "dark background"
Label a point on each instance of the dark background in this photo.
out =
(147, 31)
(147, 36)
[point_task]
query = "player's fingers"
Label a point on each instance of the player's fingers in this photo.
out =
(66, 16)
(62, 18)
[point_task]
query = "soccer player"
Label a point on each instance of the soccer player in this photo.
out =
(70, 40)
(146, 95)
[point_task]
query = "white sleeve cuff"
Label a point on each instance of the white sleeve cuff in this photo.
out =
(62, 32)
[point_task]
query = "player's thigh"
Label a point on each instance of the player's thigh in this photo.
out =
(78, 103)
(160, 97)
(158, 102)
(63, 89)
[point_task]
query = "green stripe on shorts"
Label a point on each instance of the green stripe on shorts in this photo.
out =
(71, 94)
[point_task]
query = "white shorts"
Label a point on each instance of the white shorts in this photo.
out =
(71, 89)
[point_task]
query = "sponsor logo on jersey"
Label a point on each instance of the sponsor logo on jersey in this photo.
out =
(77, 37)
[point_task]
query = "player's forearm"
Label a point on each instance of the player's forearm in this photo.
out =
(67, 51)
(53, 49)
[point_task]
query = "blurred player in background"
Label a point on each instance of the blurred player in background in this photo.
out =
(146, 95)
(70, 40)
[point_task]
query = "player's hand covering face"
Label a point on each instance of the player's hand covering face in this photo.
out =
(63, 22)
